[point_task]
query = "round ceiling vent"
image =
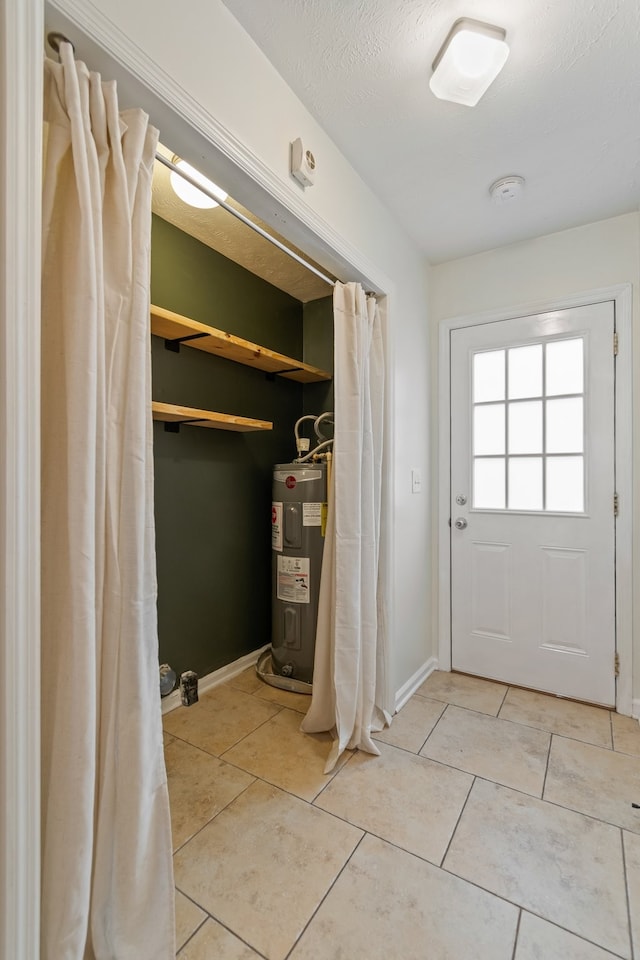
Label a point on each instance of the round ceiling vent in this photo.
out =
(506, 190)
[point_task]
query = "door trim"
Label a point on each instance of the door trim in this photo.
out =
(621, 295)
(20, 240)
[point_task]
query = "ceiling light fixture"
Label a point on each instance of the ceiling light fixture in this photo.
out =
(468, 62)
(190, 194)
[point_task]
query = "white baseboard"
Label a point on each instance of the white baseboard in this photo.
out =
(635, 709)
(225, 673)
(214, 679)
(408, 689)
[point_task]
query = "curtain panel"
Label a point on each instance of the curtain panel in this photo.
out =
(107, 883)
(349, 680)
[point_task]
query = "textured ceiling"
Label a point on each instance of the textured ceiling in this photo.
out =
(221, 231)
(564, 113)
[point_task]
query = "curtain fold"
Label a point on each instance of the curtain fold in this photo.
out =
(349, 680)
(107, 881)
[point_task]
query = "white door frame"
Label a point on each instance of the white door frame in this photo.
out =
(20, 244)
(621, 295)
(20, 233)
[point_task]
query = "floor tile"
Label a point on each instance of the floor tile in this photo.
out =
(263, 865)
(632, 863)
(540, 940)
(412, 725)
(485, 696)
(281, 754)
(565, 717)
(213, 942)
(248, 681)
(407, 800)
(166, 738)
(188, 918)
(295, 701)
(626, 734)
(219, 719)
(389, 904)
(499, 750)
(556, 863)
(199, 787)
(594, 781)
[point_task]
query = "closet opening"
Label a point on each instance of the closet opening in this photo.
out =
(258, 186)
(213, 486)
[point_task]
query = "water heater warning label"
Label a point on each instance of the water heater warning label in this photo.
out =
(276, 526)
(293, 579)
(311, 514)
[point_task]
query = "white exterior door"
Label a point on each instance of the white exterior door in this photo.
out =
(532, 502)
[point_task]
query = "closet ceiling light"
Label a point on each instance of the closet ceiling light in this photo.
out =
(190, 194)
(468, 62)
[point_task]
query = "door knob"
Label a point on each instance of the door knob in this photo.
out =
(460, 523)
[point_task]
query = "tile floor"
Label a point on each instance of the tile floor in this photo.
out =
(496, 825)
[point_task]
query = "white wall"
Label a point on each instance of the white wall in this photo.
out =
(227, 83)
(555, 266)
(552, 267)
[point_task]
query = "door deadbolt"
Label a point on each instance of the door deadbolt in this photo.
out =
(461, 500)
(460, 523)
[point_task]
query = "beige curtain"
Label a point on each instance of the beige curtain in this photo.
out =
(107, 884)
(349, 677)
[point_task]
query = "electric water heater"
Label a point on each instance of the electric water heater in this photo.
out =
(298, 520)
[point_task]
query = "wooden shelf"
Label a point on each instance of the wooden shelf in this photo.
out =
(171, 413)
(178, 329)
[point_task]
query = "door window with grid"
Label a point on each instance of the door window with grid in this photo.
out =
(528, 428)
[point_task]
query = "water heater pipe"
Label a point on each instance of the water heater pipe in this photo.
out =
(324, 417)
(301, 444)
(314, 452)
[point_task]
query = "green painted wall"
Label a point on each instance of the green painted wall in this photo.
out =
(318, 350)
(213, 488)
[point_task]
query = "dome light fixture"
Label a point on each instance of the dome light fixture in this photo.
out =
(191, 194)
(468, 62)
